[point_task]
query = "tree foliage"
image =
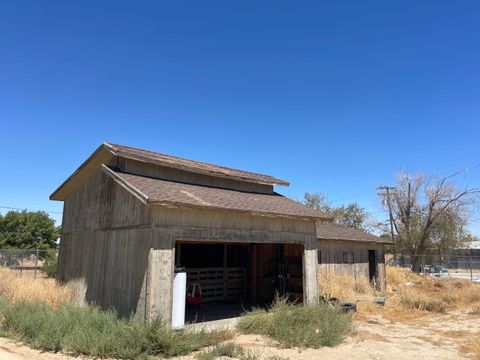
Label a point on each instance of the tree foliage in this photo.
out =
(351, 215)
(28, 230)
(430, 214)
(317, 201)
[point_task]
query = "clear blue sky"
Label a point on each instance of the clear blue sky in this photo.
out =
(334, 97)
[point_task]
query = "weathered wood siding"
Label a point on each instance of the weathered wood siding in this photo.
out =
(228, 226)
(105, 244)
(103, 204)
(331, 254)
(161, 172)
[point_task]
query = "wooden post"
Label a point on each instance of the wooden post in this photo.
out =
(225, 271)
(253, 273)
(310, 284)
(160, 273)
(471, 272)
(36, 263)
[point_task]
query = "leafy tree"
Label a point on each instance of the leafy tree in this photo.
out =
(449, 232)
(351, 215)
(28, 230)
(317, 201)
(429, 214)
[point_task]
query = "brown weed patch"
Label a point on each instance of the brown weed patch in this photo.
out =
(14, 287)
(472, 347)
(409, 296)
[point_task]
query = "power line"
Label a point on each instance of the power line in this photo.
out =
(464, 170)
(14, 208)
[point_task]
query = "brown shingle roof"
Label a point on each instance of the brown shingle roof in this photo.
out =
(170, 193)
(191, 165)
(338, 232)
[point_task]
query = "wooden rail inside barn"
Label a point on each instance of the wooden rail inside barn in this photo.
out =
(219, 283)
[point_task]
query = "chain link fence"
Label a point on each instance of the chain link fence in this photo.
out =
(24, 262)
(449, 266)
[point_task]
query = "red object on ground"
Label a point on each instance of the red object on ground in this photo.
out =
(195, 297)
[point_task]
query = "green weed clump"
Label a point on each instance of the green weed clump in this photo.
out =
(426, 304)
(296, 325)
(49, 266)
(229, 350)
(89, 331)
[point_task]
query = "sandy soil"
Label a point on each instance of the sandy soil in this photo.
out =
(439, 337)
(434, 337)
(9, 350)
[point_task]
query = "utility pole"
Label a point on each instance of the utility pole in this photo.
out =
(389, 204)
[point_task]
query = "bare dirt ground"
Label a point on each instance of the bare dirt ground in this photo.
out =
(10, 350)
(446, 336)
(436, 337)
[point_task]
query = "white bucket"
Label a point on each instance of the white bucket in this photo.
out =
(179, 297)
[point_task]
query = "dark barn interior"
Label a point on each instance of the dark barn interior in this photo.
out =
(234, 277)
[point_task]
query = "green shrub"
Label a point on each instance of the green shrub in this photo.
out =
(296, 325)
(89, 331)
(163, 341)
(257, 321)
(49, 266)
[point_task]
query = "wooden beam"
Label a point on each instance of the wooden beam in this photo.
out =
(310, 283)
(126, 185)
(87, 169)
(161, 268)
(253, 273)
(225, 279)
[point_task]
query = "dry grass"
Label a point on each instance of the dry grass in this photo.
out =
(426, 293)
(14, 287)
(363, 335)
(409, 296)
(454, 334)
(475, 310)
(472, 347)
(343, 287)
(435, 341)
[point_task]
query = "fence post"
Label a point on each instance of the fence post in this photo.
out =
(35, 266)
(470, 264)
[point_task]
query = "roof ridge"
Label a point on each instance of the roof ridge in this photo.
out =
(335, 231)
(183, 158)
(121, 171)
(195, 165)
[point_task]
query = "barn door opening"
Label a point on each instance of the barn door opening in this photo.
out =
(276, 270)
(217, 279)
(234, 277)
(372, 265)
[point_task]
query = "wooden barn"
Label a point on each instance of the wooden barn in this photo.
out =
(353, 252)
(131, 217)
